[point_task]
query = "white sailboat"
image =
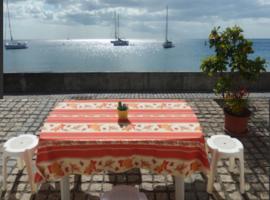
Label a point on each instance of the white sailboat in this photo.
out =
(118, 41)
(167, 44)
(13, 44)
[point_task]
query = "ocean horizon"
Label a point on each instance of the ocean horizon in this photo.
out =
(99, 55)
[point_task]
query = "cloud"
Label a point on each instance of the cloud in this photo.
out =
(180, 10)
(141, 15)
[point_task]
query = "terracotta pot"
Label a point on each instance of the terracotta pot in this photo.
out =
(123, 115)
(236, 124)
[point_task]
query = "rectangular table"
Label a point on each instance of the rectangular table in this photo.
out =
(85, 137)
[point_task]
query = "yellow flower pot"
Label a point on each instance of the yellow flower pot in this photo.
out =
(122, 115)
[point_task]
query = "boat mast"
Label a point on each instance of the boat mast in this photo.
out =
(9, 25)
(166, 33)
(118, 29)
(115, 26)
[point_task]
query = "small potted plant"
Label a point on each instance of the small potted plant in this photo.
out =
(232, 67)
(122, 111)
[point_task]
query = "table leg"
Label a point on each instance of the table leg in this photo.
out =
(64, 187)
(179, 188)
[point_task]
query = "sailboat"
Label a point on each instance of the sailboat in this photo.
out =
(167, 44)
(118, 41)
(13, 44)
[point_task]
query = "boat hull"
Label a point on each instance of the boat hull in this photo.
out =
(120, 42)
(168, 44)
(16, 45)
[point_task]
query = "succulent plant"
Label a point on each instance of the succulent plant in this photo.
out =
(122, 107)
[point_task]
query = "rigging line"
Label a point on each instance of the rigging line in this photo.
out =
(11, 38)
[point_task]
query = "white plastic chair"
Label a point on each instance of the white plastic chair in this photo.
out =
(23, 148)
(223, 146)
(123, 192)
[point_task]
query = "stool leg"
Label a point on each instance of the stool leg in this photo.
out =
(27, 155)
(4, 171)
(212, 174)
(20, 163)
(242, 172)
(231, 164)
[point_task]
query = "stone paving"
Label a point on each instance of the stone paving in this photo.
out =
(25, 114)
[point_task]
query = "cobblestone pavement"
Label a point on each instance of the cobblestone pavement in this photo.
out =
(25, 114)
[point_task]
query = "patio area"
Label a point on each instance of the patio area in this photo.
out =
(25, 114)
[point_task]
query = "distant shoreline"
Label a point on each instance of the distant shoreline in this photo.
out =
(136, 39)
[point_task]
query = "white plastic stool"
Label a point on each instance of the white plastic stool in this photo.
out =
(223, 146)
(23, 148)
(123, 192)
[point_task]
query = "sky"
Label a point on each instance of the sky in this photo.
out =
(141, 19)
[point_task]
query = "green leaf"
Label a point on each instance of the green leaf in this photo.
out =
(232, 54)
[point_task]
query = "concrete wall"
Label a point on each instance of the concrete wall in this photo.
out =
(115, 82)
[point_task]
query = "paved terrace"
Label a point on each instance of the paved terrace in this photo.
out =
(25, 114)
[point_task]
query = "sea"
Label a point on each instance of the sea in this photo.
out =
(99, 55)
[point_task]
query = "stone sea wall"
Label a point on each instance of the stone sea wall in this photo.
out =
(19, 83)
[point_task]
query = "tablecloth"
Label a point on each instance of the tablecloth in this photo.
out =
(86, 137)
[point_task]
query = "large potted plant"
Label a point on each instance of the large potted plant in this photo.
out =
(233, 67)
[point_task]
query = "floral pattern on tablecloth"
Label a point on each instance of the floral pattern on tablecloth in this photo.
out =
(132, 105)
(177, 143)
(121, 127)
(56, 169)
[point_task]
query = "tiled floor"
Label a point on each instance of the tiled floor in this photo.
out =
(25, 114)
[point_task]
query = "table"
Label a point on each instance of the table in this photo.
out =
(86, 137)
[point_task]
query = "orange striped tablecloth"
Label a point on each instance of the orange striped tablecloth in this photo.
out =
(85, 137)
